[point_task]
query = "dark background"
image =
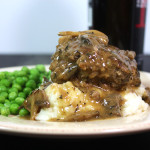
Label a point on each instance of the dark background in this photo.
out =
(137, 140)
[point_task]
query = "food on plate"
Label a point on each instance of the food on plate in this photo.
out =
(17, 85)
(89, 79)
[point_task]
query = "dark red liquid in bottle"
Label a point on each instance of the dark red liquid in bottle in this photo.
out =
(123, 21)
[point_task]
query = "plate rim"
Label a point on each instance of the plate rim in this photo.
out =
(99, 132)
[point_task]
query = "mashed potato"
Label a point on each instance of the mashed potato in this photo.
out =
(68, 103)
(133, 105)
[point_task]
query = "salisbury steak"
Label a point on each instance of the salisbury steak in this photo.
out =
(86, 56)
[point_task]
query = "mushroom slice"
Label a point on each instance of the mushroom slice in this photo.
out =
(103, 38)
(35, 101)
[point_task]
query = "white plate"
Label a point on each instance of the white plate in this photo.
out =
(117, 126)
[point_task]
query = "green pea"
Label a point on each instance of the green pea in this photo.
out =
(39, 84)
(15, 73)
(11, 79)
(40, 68)
(2, 99)
(25, 69)
(1, 105)
(33, 77)
(48, 74)
(23, 112)
(41, 78)
(13, 90)
(5, 82)
(7, 74)
(21, 73)
(34, 71)
(19, 100)
(3, 88)
(25, 79)
(5, 111)
(5, 94)
(17, 86)
(14, 109)
(31, 84)
(13, 102)
(27, 90)
(7, 104)
(20, 81)
(6, 100)
(2, 75)
(21, 94)
(12, 96)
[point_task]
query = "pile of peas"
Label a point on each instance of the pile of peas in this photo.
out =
(17, 85)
